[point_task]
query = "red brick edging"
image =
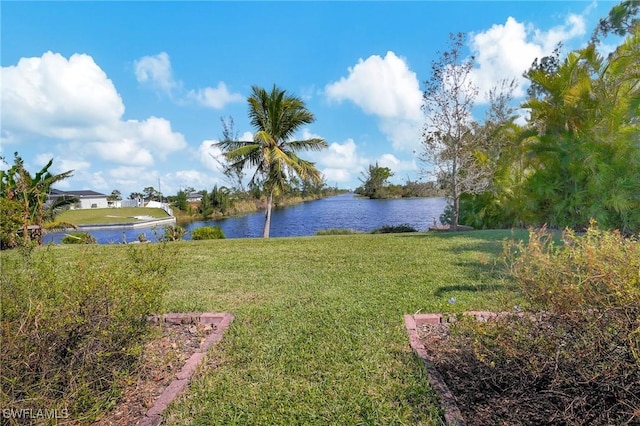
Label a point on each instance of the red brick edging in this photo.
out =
(221, 322)
(452, 414)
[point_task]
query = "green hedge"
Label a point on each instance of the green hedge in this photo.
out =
(207, 233)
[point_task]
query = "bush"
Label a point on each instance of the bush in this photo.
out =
(207, 233)
(11, 223)
(173, 233)
(72, 330)
(575, 355)
(394, 229)
(336, 231)
(78, 238)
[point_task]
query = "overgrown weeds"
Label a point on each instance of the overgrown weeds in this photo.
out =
(71, 329)
(573, 357)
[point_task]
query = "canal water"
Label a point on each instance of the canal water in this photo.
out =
(346, 211)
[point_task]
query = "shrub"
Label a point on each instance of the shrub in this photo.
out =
(173, 233)
(11, 215)
(71, 330)
(207, 233)
(78, 238)
(394, 229)
(336, 231)
(575, 354)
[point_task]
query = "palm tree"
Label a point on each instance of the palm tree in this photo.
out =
(275, 116)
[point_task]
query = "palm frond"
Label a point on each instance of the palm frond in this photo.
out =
(315, 144)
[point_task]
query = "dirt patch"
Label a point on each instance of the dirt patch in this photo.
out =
(163, 358)
(505, 392)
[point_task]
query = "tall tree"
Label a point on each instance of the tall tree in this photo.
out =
(448, 135)
(152, 194)
(116, 195)
(374, 180)
(585, 152)
(233, 173)
(275, 117)
(622, 20)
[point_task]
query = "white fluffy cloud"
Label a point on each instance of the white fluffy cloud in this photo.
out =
(74, 103)
(215, 97)
(384, 87)
(507, 50)
(396, 165)
(340, 163)
(58, 97)
(193, 178)
(388, 89)
(156, 71)
(211, 156)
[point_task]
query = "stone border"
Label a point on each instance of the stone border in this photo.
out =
(452, 414)
(221, 322)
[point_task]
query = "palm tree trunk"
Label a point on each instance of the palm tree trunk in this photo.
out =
(267, 221)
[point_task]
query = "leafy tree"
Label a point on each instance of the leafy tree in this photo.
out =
(275, 116)
(220, 198)
(234, 173)
(180, 201)
(136, 195)
(114, 196)
(31, 193)
(374, 180)
(205, 208)
(460, 148)
(622, 20)
(152, 194)
(585, 157)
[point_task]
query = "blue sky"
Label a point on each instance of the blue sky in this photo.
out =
(130, 94)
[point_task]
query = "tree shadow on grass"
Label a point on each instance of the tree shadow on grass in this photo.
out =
(442, 291)
(489, 242)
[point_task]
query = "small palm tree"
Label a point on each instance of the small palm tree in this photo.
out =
(30, 192)
(275, 116)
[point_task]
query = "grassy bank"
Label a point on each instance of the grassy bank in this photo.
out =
(318, 336)
(111, 215)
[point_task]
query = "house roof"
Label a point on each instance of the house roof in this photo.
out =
(84, 193)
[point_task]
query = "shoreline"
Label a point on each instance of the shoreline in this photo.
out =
(129, 225)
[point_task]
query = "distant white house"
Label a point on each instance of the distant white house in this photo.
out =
(87, 199)
(194, 197)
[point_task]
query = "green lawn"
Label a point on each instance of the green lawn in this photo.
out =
(318, 336)
(111, 215)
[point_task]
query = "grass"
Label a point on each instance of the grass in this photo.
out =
(110, 215)
(318, 336)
